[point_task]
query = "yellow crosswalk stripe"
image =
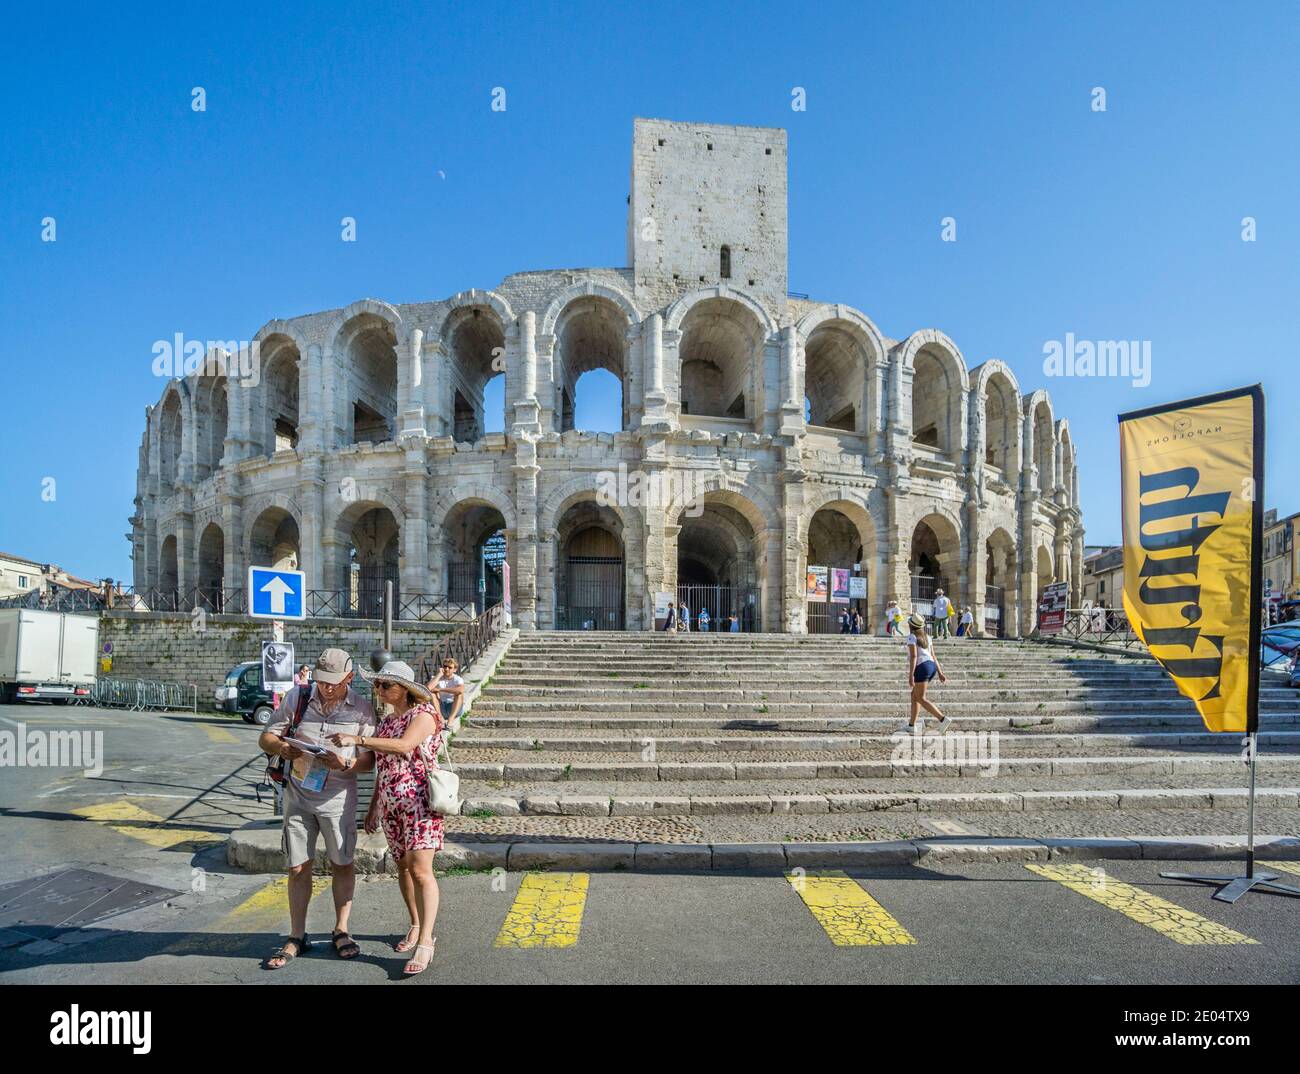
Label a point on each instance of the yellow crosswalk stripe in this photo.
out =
(547, 911)
(1285, 866)
(1167, 918)
(846, 910)
(127, 818)
(219, 734)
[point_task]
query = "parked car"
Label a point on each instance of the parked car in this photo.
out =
(242, 694)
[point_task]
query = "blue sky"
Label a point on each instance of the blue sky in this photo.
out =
(1117, 225)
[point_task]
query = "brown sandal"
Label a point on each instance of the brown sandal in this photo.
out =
(284, 954)
(344, 945)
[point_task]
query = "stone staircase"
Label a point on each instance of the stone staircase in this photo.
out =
(726, 738)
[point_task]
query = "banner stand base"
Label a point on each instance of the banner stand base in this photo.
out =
(1232, 888)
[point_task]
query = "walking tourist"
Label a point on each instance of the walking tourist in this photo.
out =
(942, 610)
(319, 793)
(967, 624)
(683, 618)
(892, 614)
(922, 669)
(407, 741)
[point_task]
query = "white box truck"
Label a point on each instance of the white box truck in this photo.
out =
(46, 656)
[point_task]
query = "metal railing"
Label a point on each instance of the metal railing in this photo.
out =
(465, 644)
(321, 603)
(140, 695)
(1101, 626)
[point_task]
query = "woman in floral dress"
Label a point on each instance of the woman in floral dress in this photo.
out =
(407, 738)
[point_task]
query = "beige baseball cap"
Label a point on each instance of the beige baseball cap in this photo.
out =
(333, 666)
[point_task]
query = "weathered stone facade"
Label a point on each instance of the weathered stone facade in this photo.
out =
(813, 438)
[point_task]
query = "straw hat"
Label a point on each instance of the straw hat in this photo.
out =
(401, 673)
(915, 620)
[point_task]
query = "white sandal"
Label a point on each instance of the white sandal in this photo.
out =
(414, 959)
(406, 943)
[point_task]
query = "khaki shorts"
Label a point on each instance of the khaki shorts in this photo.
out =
(298, 837)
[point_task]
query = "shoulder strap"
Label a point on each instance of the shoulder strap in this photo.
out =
(304, 699)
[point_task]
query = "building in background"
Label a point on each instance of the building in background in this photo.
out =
(1103, 576)
(22, 578)
(1280, 550)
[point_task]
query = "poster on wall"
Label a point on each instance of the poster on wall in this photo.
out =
(663, 601)
(857, 589)
(505, 591)
(839, 585)
(817, 584)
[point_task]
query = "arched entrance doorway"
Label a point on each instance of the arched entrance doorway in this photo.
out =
(933, 562)
(373, 558)
(475, 555)
(718, 566)
(999, 580)
(839, 550)
(212, 568)
(589, 574)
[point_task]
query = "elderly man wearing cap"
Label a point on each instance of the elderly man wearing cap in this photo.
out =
(320, 793)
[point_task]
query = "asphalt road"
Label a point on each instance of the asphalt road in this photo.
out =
(172, 785)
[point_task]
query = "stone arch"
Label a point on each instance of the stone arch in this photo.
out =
(1001, 572)
(212, 566)
(365, 337)
(1045, 571)
(720, 552)
(274, 536)
(464, 522)
(935, 558)
(169, 577)
(1065, 449)
(591, 333)
(939, 389)
(473, 336)
(995, 417)
(838, 529)
(211, 420)
(720, 356)
(843, 352)
(564, 298)
(1039, 447)
(276, 420)
(366, 538)
(171, 436)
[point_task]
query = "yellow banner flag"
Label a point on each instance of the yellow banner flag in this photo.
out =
(1193, 483)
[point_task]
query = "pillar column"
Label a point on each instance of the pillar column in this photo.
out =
(415, 530)
(410, 388)
(652, 355)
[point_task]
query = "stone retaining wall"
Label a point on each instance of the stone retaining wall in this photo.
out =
(173, 648)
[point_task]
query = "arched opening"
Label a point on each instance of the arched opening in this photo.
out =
(933, 562)
(475, 341)
(839, 550)
(590, 585)
(1043, 447)
(591, 355)
(212, 568)
(212, 416)
(1046, 575)
(936, 392)
(475, 554)
(369, 344)
(373, 559)
(1000, 424)
(169, 441)
(281, 364)
(719, 565)
(1067, 467)
(999, 582)
(720, 345)
(168, 597)
(835, 363)
(273, 540)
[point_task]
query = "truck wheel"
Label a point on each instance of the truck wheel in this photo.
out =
(262, 715)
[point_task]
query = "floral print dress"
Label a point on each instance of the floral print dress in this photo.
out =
(401, 783)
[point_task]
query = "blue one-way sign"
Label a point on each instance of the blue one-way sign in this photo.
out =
(274, 594)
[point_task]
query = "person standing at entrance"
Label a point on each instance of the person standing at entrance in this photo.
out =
(670, 623)
(703, 620)
(942, 609)
(891, 615)
(922, 669)
(683, 618)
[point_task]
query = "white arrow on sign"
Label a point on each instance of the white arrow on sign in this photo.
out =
(279, 589)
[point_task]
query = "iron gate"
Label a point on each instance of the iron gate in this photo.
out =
(368, 602)
(722, 603)
(593, 594)
(479, 584)
(994, 612)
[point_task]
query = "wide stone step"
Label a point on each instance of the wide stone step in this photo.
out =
(654, 723)
(1120, 799)
(741, 741)
(973, 760)
(580, 708)
(722, 692)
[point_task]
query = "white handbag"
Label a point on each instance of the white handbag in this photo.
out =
(444, 784)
